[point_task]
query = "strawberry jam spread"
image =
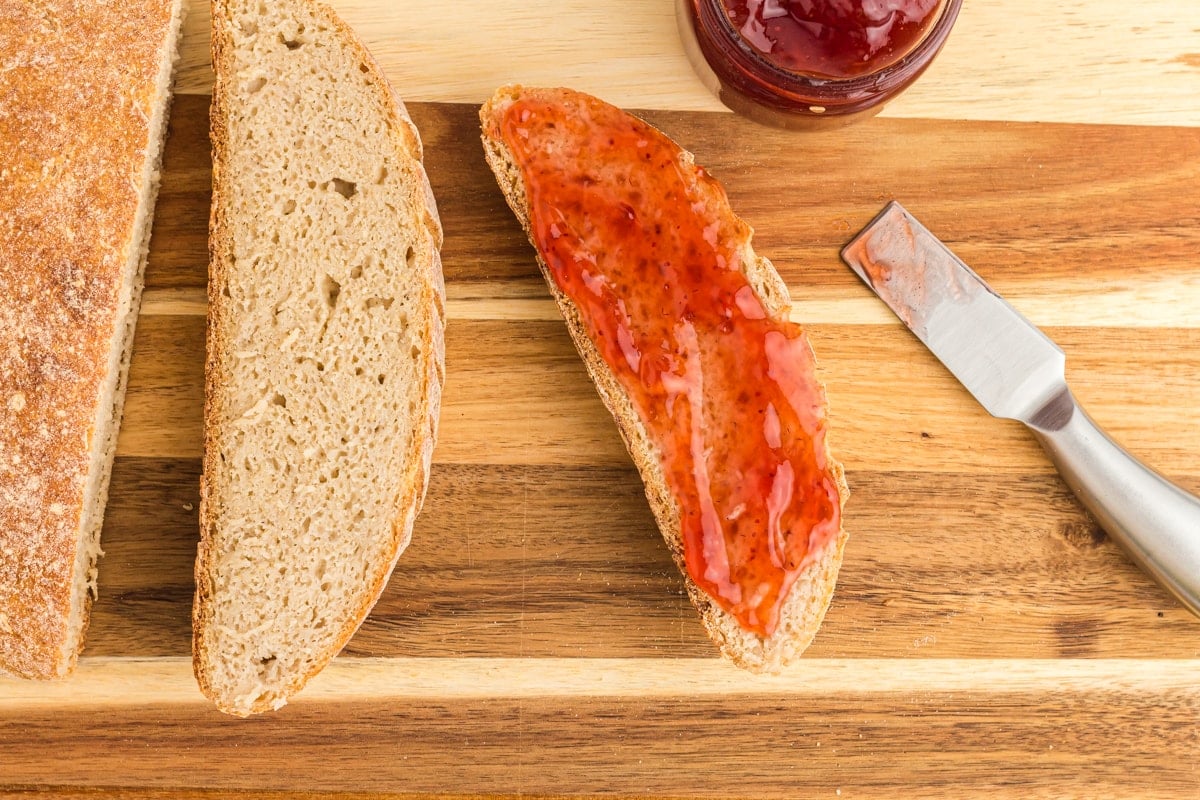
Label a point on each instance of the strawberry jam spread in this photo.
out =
(832, 38)
(644, 246)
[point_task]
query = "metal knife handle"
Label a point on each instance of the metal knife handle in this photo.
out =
(1156, 522)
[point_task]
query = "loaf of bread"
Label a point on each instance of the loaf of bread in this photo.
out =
(84, 94)
(325, 349)
(622, 183)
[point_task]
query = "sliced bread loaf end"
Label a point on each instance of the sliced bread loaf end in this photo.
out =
(81, 171)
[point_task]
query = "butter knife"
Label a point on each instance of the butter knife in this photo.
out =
(1016, 372)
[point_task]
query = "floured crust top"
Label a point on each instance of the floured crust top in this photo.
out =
(806, 603)
(77, 87)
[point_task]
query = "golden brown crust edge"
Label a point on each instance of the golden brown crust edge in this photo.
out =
(416, 481)
(810, 596)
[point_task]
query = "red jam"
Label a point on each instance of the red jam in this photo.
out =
(808, 64)
(640, 243)
(832, 38)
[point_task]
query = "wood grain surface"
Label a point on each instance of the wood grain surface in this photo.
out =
(535, 639)
(1097, 61)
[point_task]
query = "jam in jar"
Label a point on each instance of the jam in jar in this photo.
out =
(811, 63)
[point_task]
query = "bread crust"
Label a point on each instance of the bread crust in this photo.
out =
(415, 482)
(810, 595)
(82, 120)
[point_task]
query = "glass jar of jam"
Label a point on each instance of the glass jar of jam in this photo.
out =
(812, 63)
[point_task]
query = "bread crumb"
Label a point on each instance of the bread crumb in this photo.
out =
(16, 403)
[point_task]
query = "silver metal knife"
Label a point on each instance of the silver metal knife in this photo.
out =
(1016, 372)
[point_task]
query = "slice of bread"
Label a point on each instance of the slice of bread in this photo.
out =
(805, 604)
(325, 349)
(84, 94)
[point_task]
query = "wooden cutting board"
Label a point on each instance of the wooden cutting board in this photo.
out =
(535, 638)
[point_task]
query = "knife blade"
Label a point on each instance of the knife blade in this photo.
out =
(1015, 371)
(1010, 366)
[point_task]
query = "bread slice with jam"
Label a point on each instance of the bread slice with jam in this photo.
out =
(684, 329)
